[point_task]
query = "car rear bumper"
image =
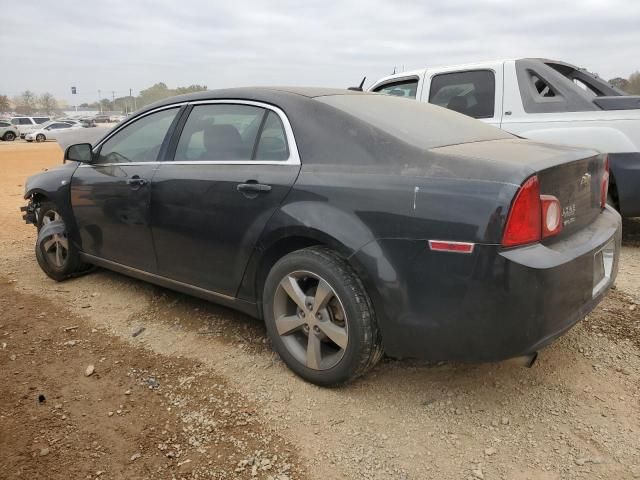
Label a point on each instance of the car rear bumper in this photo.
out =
(490, 305)
(625, 168)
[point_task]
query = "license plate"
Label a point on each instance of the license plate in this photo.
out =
(602, 267)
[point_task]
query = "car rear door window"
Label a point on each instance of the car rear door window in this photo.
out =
(25, 121)
(272, 144)
(471, 93)
(222, 132)
(40, 120)
(404, 88)
(139, 141)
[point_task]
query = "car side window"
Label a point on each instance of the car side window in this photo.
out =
(5, 124)
(404, 88)
(471, 93)
(272, 144)
(25, 121)
(139, 141)
(40, 120)
(220, 132)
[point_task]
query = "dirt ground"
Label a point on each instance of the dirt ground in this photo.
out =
(199, 393)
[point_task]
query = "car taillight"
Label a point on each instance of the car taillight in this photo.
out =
(551, 215)
(604, 185)
(523, 223)
(532, 216)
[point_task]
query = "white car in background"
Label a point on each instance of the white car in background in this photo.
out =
(28, 124)
(8, 132)
(49, 131)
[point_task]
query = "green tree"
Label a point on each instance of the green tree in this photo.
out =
(634, 84)
(190, 89)
(47, 103)
(106, 104)
(154, 93)
(619, 82)
(5, 106)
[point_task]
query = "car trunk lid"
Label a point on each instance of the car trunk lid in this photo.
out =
(573, 175)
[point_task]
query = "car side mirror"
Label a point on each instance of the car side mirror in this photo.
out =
(80, 152)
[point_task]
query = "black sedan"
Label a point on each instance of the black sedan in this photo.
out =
(352, 223)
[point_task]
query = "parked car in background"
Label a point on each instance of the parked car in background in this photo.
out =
(70, 121)
(87, 122)
(8, 132)
(352, 223)
(49, 131)
(28, 124)
(117, 118)
(544, 100)
(102, 118)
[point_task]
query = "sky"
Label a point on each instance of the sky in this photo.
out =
(117, 45)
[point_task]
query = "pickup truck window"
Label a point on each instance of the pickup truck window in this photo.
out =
(471, 93)
(403, 88)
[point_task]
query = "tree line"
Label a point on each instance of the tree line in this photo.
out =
(28, 102)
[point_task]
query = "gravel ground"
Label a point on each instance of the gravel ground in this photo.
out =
(576, 414)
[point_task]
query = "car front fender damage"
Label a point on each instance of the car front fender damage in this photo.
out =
(30, 211)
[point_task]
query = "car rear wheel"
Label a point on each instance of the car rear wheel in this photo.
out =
(40, 138)
(55, 253)
(9, 137)
(319, 317)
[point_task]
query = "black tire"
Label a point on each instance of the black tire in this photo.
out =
(9, 137)
(363, 346)
(40, 138)
(71, 264)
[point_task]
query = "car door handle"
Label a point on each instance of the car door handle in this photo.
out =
(136, 181)
(253, 188)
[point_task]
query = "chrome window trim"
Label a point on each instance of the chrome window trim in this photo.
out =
(294, 155)
(132, 120)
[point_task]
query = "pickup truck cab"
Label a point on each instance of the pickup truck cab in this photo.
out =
(545, 100)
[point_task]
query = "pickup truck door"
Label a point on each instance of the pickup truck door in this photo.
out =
(476, 92)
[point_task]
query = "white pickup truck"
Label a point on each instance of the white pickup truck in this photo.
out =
(543, 100)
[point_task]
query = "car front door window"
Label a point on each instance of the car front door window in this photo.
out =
(139, 142)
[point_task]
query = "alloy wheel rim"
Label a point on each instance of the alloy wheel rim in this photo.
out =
(55, 247)
(311, 320)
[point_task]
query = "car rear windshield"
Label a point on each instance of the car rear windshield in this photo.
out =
(420, 124)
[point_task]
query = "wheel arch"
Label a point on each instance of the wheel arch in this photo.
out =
(268, 253)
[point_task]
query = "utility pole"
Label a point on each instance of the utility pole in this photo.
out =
(113, 100)
(134, 100)
(99, 101)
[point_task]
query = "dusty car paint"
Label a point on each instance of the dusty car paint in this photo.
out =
(375, 197)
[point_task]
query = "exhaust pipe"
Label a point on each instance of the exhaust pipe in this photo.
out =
(525, 360)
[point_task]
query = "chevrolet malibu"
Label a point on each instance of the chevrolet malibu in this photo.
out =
(352, 223)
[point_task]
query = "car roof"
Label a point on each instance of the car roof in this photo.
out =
(263, 94)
